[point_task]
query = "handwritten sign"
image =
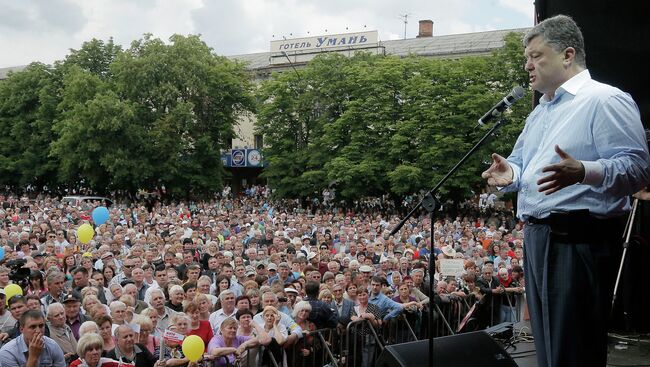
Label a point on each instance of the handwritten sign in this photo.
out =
(452, 267)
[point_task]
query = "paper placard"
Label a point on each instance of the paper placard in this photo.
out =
(452, 267)
(171, 336)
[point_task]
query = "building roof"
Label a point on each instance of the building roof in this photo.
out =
(437, 46)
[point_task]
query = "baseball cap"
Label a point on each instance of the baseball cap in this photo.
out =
(272, 266)
(71, 298)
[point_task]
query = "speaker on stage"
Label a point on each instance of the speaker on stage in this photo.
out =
(461, 350)
(409, 354)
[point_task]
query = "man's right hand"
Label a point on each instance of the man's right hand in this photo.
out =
(500, 173)
(36, 346)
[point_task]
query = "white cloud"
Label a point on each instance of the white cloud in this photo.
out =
(524, 7)
(45, 30)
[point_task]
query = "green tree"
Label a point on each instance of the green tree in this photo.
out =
(389, 125)
(153, 114)
(28, 107)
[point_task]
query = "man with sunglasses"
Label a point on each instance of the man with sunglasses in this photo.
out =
(32, 348)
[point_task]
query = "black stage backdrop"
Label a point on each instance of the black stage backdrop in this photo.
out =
(617, 43)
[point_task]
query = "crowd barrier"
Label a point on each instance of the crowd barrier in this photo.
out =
(455, 314)
(359, 344)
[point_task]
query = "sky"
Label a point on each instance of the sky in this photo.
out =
(46, 30)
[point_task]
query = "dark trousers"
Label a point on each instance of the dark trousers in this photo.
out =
(569, 287)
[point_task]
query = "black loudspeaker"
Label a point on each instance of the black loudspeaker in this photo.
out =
(410, 354)
(462, 350)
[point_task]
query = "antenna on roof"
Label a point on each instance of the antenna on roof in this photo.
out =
(405, 18)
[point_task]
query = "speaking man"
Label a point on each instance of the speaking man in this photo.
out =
(580, 155)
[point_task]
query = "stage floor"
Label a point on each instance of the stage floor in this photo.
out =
(626, 350)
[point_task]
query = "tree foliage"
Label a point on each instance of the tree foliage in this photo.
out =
(370, 125)
(154, 114)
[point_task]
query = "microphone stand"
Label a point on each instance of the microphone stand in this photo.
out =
(626, 235)
(429, 203)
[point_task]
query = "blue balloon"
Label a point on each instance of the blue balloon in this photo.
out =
(2, 253)
(100, 215)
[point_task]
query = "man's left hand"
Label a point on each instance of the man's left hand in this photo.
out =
(567, 172)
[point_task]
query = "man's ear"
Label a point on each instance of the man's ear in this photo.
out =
(569, 55)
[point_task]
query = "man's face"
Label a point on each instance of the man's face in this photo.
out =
(157, 301)
(17, 309)
(284, 272)
(56, 286)
(80, 279)
(32, 327)
(213, 264)
(228, 302)
(72, 309)
(227, 271)
(57, 317)
(376, 287)
(161, 277)
(268, 301)
(193, 274)
(128, 267)
(125, 339)
(545, 66)
(487, 274)
(138, 275)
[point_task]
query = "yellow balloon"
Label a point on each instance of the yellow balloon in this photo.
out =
(193, 348)
(85, 233)
(12, 290)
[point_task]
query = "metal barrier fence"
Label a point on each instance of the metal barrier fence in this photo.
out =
(359, 344)
(454, 315)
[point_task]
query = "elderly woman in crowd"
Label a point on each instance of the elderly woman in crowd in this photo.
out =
(300, 315)
(88, 327)
(89, 349)
(144, 337)
(176, 297)
(229, 346)
(152, 314)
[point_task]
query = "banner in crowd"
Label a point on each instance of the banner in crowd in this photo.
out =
(452, 267)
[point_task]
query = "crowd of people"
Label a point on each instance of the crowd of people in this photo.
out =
(237, 271)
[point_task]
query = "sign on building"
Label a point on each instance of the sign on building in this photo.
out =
(345, 40)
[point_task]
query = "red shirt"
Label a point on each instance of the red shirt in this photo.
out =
(204, 331)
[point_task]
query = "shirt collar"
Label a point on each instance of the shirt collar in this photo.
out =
(571, 86)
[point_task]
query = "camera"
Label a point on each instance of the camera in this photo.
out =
(18, 274)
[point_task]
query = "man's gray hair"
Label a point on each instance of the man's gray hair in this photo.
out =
(53, 276)
(157, 290)
(223, 294)
(560, 32)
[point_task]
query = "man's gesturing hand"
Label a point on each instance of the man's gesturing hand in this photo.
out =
(500, 173)
(565, 173)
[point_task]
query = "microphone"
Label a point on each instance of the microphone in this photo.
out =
(515, 95)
